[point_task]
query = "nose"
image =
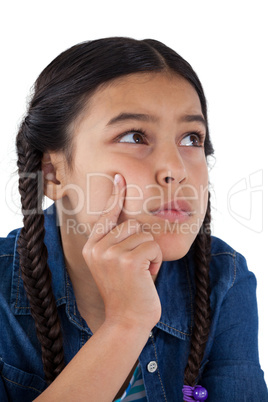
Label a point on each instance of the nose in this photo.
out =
(170, 167)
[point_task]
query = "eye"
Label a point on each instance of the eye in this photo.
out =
(192, 140)
(133, 137)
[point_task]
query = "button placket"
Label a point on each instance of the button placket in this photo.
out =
(150, 370)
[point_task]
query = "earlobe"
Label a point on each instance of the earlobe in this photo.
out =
(53, 188)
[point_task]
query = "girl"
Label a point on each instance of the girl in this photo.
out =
(118, 291)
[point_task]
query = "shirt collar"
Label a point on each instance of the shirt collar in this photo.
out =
(174, 283)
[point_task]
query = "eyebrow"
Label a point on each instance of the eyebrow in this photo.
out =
(194, 117)
(131, 116)
(149, 118)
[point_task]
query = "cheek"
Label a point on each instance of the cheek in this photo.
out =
(98, 191)
(196, 167)
(200, 182)
(137, 176)
(196, 186)
(135, 194)
(88, 194)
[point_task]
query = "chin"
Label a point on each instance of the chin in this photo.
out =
(174, 247)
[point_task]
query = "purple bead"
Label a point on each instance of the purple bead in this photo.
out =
(200, 393)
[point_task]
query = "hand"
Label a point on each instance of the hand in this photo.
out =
(122, 259)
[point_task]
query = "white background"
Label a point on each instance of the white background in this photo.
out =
(226, 43)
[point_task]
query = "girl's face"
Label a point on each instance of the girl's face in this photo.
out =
(148, 127)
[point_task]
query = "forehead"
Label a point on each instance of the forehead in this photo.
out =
(151, 92)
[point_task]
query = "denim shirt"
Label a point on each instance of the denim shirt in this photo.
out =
(230, 370)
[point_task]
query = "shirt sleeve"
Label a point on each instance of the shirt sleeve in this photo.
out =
(232, 371)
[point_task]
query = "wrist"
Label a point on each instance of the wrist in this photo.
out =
(128, 327)
(134, 320)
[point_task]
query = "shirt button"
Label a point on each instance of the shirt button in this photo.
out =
(152, 366)
(151, 334)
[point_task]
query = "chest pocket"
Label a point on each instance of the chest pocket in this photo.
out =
(19, 386)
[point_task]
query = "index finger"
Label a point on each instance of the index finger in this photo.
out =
(109, 216)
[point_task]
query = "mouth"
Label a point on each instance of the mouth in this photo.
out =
(175, 211)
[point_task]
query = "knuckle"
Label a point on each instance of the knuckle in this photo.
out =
(127, 260)
(109, 254)
(157, 247)
(96, 252)
(86, 250)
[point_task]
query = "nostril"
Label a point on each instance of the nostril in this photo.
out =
(169, 179)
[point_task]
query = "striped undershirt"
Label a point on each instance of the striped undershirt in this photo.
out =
(135, 390)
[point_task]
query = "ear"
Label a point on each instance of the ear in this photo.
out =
(51, 166)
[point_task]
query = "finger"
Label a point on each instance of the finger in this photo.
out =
(109, 216)
(128, 234)
(123, 231)
(148, 255)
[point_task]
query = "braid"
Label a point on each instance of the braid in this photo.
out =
(33, 259)
(202, 302)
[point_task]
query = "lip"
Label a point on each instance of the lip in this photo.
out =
(175, 211)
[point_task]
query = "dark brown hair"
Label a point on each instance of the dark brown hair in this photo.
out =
(60, 94)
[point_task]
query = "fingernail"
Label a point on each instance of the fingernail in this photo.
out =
(117, 179)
